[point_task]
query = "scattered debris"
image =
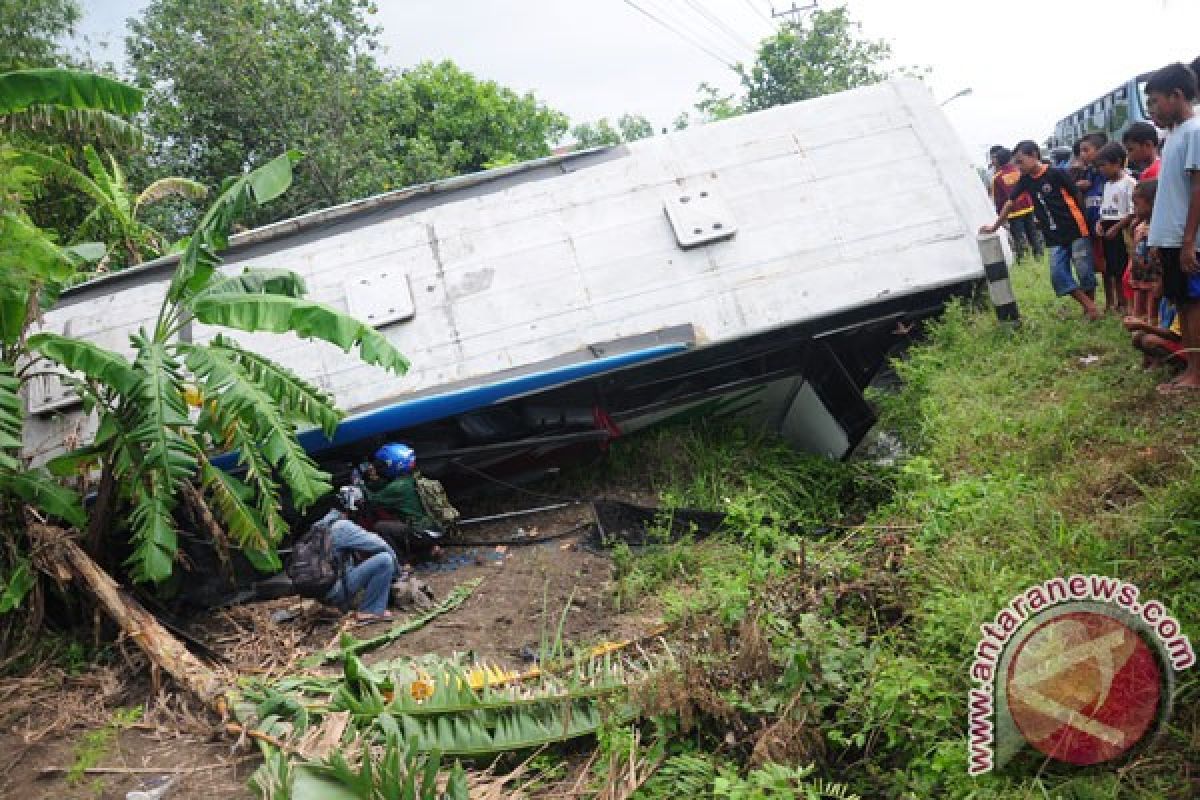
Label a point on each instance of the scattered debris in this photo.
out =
(349, 645)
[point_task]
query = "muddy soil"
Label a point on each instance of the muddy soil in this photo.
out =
(526, 589)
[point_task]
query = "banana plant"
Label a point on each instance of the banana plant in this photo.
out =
(150, 446)
(32, 269)
(34, 102)
(116, 215)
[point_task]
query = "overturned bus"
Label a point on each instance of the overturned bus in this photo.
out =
(763, 266)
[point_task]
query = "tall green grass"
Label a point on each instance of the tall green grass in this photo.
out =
(1034, 453)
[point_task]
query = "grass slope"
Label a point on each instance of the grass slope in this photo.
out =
(1028, 459)
(1034, 460)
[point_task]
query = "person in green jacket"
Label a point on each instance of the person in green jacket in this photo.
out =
(392, 490)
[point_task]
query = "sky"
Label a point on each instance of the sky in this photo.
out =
(1042, 60)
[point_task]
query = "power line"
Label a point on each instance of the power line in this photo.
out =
(696, 27)
(720, 25)
(678, 33)
(762, 15)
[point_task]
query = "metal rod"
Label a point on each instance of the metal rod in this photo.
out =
(521, 513)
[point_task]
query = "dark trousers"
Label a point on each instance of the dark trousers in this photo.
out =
(1025, 234)
(401, 536)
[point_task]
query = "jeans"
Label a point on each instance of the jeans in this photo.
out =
(1078, 255)
(1024, 232)
(373, 577)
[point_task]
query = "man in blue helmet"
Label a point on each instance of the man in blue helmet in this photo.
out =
(392, 490)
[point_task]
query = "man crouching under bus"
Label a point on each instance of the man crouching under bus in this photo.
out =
(364, 564)
(394, 503)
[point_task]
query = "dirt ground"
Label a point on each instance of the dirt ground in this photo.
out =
(525, 591)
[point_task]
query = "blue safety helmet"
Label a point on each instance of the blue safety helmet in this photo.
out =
(396, 459)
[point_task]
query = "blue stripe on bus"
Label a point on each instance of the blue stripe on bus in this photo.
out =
(408, 413)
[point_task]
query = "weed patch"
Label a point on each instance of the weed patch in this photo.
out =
(828, 636)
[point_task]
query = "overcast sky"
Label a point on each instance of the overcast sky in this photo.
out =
(604, 57)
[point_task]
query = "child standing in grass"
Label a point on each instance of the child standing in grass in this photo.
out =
(1116, 217)
(1170, 93)
(1091, 185)
(1144, 276)
(1059, 209)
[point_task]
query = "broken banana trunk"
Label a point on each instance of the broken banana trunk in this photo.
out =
(164, 650)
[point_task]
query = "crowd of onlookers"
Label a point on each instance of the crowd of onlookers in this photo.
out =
(1124, 212)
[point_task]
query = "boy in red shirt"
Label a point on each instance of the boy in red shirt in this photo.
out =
(1020, 218)
(1141, 142)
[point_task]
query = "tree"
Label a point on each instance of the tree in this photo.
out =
(230, 83)
(629, 128)
(443, 121)
(152, 450)
(31, 32)
(249, 78)
(808, 58)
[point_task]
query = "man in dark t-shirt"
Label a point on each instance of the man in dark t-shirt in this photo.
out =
(1059, 209)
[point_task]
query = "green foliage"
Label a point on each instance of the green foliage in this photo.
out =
(32, 267)
(305, 73)
(444, 707)
(114, 216)
(31, 88)
(96, 744)
(308, 78)
(821, 53)
(681, 775)
(1017, 445)
(391, 773)
(629, 128)
(444, 121)
(148, 438)
(31, 31)
(15, 585)
(776, 781)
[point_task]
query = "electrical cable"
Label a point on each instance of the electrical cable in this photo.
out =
(754, 7)
(721, 26)
(514, 487)
(692, 24)
(696, 44)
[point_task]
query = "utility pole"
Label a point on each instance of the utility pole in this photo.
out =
(794, 12)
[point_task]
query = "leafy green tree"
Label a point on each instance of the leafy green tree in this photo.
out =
(230, 83)
(31, 32)
(151, 449)
(814, 56)
(444, 121)
(629, 128)
(600, 133)
(248, 78)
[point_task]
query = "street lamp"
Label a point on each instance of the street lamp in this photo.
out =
(961, 93)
